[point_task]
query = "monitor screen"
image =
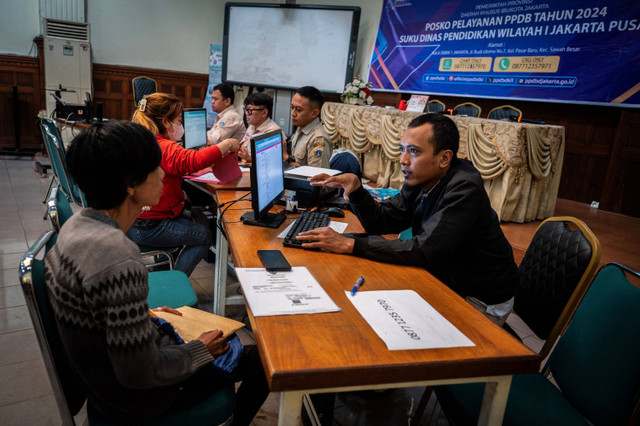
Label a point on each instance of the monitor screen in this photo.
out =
(290, 46)
(194, 121)
(267, 177)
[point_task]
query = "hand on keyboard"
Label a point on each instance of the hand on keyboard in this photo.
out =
(328, 239)
(306, 221)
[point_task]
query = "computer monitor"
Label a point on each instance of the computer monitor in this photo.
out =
(194, 121)
(267, 179)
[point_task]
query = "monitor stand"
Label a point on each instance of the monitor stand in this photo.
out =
(270, 220)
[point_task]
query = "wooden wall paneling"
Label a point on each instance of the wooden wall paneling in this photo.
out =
(112, 86)
(622, 184)
(24, 73)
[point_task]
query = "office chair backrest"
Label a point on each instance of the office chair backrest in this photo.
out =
(67, 388)
(435, 106)
(505, 112)
(554, 274)
(142, 86)
(346, 162)
(596, 363)
(468, 108)
(58, 209)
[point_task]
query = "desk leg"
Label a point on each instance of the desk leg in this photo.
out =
(220, 279)
(290, 408)
(494, 401)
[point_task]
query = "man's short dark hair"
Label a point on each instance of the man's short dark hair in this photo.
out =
(107, 158)
(260, 99)
(313, 95)
(445, 132)
(226, 90)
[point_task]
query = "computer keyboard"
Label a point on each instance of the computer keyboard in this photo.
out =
(306, 221)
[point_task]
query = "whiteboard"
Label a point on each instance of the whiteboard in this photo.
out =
(290, 46)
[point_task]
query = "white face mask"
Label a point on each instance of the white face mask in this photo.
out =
(178, 132)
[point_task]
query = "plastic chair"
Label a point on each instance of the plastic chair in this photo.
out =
(68, 390)
(435, 106)
(142, 86)
(505, 112)
(595, 365)
(555, 273)
(468, 108)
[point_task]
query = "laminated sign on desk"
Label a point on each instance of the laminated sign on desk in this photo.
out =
(284, 293)
(404, 320)
(223, 171)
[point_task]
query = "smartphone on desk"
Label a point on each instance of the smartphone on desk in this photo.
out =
(273, 260)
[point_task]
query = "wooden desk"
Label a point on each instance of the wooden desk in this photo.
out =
(520, 163)
(220, 300)
(339, 351)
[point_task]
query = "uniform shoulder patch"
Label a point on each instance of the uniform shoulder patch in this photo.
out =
(318, 153)
(319, 144)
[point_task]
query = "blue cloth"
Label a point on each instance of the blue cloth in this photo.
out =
(226, 363)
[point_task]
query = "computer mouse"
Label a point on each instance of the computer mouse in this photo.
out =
(332, 211)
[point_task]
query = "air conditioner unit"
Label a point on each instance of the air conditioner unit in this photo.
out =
(67, 62)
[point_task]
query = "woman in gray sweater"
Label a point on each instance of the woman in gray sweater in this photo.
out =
(97, 283)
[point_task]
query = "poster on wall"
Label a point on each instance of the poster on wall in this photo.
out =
(578, 51)
(215, 77)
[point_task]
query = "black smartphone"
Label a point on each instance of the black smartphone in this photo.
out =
(274, 260)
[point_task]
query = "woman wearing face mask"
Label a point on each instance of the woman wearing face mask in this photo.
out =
(163, 225)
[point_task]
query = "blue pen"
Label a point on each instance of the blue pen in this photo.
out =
(359, 284)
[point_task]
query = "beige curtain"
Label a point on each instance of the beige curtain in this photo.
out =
(520, 163)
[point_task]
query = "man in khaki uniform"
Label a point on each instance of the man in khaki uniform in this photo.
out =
(310, 144)
(228, 124)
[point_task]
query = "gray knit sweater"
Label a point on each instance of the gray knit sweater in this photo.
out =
(97, 283)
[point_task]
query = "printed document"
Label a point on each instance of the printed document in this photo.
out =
(308, 171)
(284, 293)
(404, 320)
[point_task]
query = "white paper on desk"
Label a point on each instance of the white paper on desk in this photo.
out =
(308, 171)
(339, 227)
(284, 293)
(404, 320)
(206, 177)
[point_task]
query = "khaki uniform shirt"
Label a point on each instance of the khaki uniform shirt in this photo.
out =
(268, 126)
(311, 146)
(228, 125)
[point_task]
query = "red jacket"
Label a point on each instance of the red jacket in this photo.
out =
(177, 162)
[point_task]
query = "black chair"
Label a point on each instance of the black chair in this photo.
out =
(505, 112)
(435, 106)
(555, 273)
(468, 108)
(142, 86)
(67, 387)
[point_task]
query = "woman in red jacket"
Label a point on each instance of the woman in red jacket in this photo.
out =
(163, 225)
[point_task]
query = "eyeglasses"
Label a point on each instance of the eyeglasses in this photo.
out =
(250, 111)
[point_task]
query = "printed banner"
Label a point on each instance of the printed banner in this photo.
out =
(215, 77)
(585, 51)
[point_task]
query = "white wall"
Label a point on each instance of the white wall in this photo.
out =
(19, 25)
(162, 34)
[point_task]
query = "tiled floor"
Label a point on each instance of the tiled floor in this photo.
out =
(25, 394)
